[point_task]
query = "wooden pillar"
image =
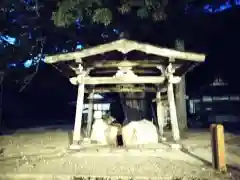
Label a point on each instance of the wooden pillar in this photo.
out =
(181, 104)
(78, 118)
(90, 114)
(160, 114)
(172, 109)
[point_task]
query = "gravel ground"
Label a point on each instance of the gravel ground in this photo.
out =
(109, 166)
(43, 154)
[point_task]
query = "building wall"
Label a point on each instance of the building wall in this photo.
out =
(218, 102)
(216, 109)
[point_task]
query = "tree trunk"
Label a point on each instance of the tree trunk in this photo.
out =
(181, 105)
(1, 99)
(180, 93)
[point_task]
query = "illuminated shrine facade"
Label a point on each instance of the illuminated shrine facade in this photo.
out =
(126, 66)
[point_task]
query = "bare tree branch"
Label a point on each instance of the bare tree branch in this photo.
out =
(29, 78)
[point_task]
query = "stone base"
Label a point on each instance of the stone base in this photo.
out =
(75, 146)
(86, 140)
(162, 139)
(176, 146)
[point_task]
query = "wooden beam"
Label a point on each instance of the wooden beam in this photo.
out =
(121, 89)
(128, 63)
(124, 63)
(118, 80)
(115, 64)
(141, 71)
(126, 46)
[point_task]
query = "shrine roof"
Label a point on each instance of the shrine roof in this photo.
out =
(104, 60)
(125, 46)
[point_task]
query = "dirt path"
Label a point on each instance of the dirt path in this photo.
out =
(43, 154)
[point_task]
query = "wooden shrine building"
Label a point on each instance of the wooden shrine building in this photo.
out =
(127, 66)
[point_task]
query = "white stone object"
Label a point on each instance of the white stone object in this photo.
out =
(139, 133)
(104, 133)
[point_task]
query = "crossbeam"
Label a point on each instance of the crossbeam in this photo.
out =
(118, 80)
(121, 89)
(141, 71)
(126, 63)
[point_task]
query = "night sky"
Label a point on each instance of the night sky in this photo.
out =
(216, 35)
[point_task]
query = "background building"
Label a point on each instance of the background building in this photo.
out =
(217, 101)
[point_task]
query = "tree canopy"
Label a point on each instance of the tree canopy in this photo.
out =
(61, 25)
(107, 11)
(31, 28)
